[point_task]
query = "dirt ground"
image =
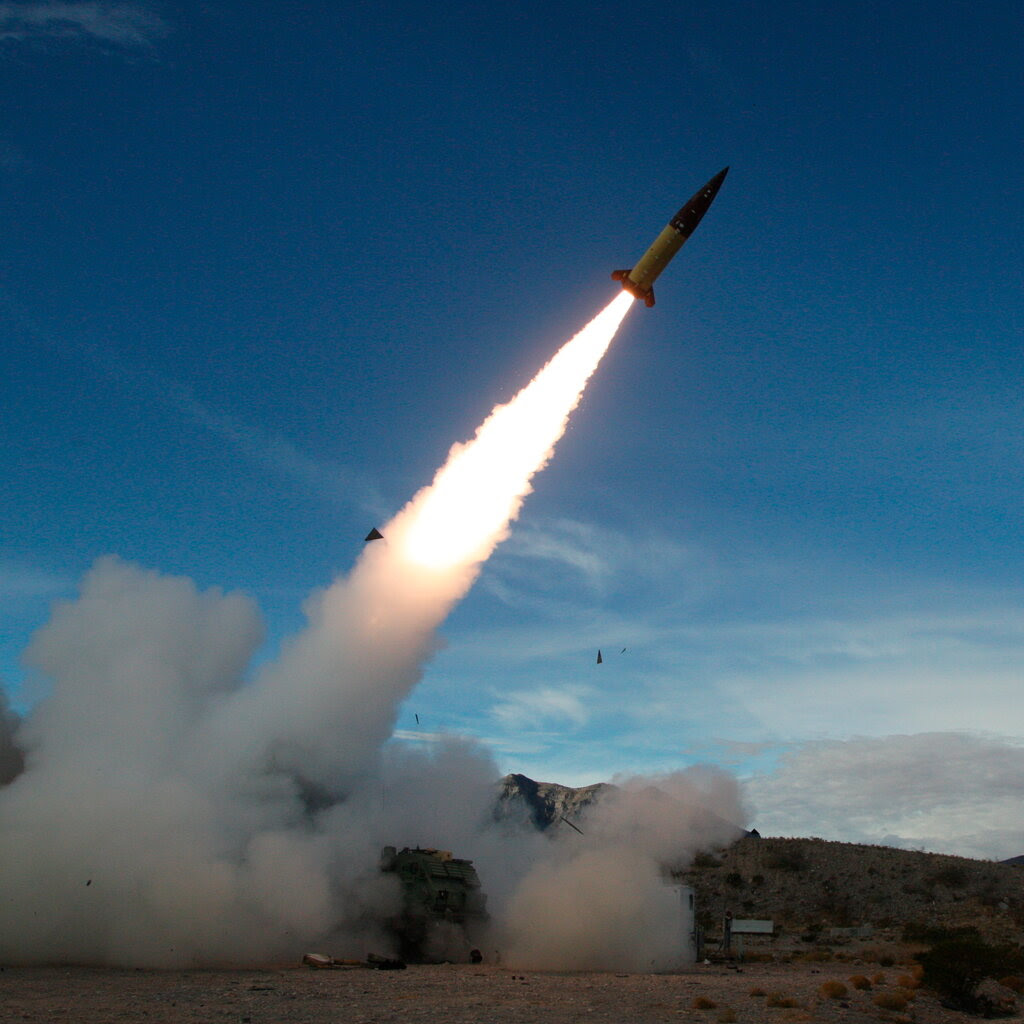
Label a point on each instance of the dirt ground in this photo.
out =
(450, 994)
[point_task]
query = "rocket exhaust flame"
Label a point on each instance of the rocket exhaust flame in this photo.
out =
(465, 512)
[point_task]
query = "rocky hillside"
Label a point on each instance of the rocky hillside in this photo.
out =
(543, 804)
(820, 889)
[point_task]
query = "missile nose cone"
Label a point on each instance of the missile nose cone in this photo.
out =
(716, 182)
(687, 219)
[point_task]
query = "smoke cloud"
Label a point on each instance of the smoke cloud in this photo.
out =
(603, 900)
(12, 758)
(162, 808)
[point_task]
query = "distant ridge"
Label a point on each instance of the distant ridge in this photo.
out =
(547, 804)
(814, 887)
(544, 804)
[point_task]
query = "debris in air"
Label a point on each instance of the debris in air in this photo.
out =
(374, 534)
(599, 658)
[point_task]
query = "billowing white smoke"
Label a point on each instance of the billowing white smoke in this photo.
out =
(602, 900)
(170, 812)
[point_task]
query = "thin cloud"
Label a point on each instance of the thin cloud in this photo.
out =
(532, 708)
(274, 452)
(564, 543)
(18, 582)
(124, 24)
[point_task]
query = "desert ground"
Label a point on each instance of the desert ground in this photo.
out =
(454, 993)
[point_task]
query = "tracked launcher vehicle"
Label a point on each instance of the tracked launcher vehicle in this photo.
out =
(443, 911)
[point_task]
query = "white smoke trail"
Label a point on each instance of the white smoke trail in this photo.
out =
(170, 813)
(370, 634)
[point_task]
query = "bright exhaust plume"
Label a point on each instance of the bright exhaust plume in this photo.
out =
(465, 512)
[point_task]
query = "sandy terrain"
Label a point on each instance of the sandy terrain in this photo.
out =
(448, 993)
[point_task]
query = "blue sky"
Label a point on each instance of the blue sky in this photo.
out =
(262, 264)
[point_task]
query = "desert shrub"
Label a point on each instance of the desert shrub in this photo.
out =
(703, 1003)
(917, 931)
(955, 968)
(779, 1001)
(757, 880)
(891, 1000)
(735, 879)
(834, 990)
(793, 859)
(908, 981)
(858, 981)
(953, 876)
(706, 860)
(874, 955)
(727, 1016)
(816, 956)
(756, 992)
(1012, 981)
(878, 978)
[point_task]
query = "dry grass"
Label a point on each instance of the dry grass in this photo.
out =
(834, 990)
(703, 1003)
(781, 1002)
(815, 956)
(896, 1000)
(727, 1016)
(756, 993)
(858, 981)
(878, 979)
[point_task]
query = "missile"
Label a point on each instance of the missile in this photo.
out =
(640, 280)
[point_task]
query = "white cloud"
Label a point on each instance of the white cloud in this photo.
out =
(530, 709)
(947, 792)
(126, 24)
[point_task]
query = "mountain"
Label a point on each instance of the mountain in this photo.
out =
(544, 804)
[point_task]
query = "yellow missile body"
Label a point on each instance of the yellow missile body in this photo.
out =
(640, 280)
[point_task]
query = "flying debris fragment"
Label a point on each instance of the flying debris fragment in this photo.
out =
(570, 824)
(374, 534)
(640, 280)
(599, 658)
